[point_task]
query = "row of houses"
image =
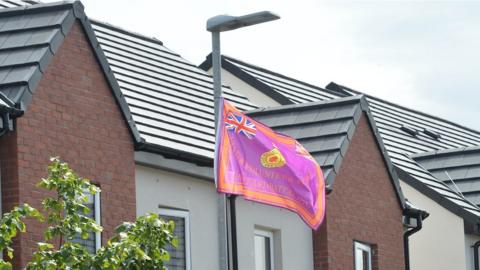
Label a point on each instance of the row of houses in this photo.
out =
(137, 118)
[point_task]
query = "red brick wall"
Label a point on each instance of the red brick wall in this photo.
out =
(75, 116)
(363, 206)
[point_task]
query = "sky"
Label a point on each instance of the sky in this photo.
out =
(423, 55)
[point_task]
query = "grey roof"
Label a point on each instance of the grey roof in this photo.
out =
(29, 37)
(389, 119)
(166, 100)
(283, 89)
(171, 99)
(401, 145)
(459, 168)
(17, 3)
(325, 129)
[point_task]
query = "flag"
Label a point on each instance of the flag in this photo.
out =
(262, 165)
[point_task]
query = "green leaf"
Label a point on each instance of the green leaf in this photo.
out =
(44, 246)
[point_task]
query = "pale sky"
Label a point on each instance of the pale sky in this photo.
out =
(423, 55)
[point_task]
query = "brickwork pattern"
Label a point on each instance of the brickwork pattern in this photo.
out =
(73, 115)
(364, 207)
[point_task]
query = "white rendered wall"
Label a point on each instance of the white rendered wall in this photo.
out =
(156, 187)
(440, 245)
(255, 96)
(293, 239)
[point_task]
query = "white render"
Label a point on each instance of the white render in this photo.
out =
(292, 238)
(158, 188)
(440, 244)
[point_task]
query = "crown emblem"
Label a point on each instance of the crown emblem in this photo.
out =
(272, 159)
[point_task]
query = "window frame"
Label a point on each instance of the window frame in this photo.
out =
(186, 216)
(97, 215)
(98, 219)
(269, 235)
(362, 247)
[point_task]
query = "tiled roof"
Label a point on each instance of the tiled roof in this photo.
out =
(171, 99)
(167, 101)
(29, 37)
(283, 89)
(16, 3)
(459, 168)
(389, 119)
(325, 129)
(401, 145)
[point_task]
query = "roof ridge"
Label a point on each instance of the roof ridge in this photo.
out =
(309, 105)
(274, 73)
(126, 31)
(404, 107)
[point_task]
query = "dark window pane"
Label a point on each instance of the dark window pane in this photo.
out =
(177, 255)
(366, 260)
(88, 243)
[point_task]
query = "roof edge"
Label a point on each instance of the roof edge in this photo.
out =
(127, 32)
(332, 86)
(172, 153)
(309, 105)
(435, 196)
(109, 76)
(277, 74)
(38, 7)
(383, 151)
(158, 161)
(248, 79)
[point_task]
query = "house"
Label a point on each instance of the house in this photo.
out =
(414, 142)
(136, 118)
(340, 135)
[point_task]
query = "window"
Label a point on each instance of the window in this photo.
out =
(363, 256)
(180, 256)
(263, 250)
(94, 240)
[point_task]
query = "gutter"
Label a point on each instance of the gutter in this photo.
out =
(419, 216)
(8, 113)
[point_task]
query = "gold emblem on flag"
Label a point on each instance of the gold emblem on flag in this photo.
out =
(272, 159)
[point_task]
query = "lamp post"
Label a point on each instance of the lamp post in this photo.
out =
(215, 25)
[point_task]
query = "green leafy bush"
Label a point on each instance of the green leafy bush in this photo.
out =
(136, 245)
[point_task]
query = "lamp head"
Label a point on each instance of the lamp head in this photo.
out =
(222, 23)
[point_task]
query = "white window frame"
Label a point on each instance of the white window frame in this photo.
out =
(362, 247)
(186, 216)
(269, 236)
(98, 220)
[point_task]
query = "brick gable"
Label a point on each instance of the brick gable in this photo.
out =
(73, 115)
(364, 207)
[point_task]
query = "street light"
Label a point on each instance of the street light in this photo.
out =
(222, 23)
(217, 24)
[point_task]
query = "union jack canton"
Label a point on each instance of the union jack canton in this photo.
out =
(240, 125)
